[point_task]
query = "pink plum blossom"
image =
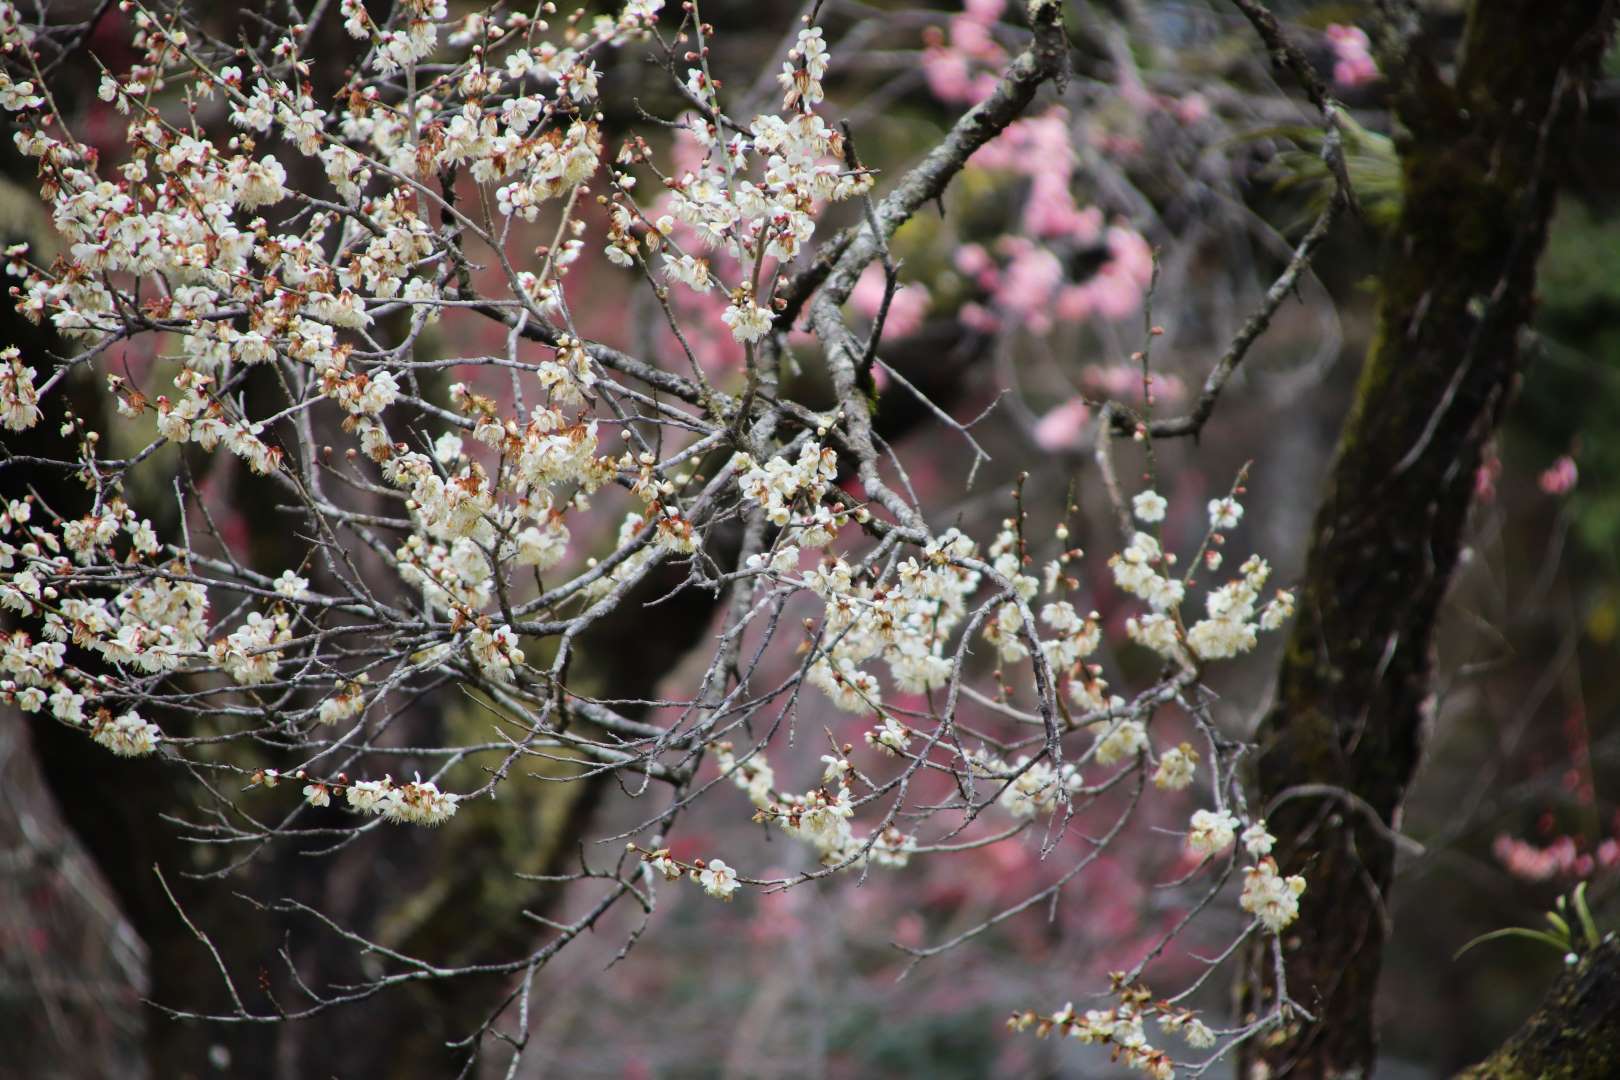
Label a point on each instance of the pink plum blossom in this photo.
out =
(1560, 477)
(1060, 428)
(1353, 64)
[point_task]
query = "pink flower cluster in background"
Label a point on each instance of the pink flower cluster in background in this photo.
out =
(1060, 428)
(961, 64)
(1042, 149)
(1028, 279)
(906, 310)
(1063, 427)
(1024, 277)
(1561, 858)
(1022, 272)
(1353, 64)
(1559, 478)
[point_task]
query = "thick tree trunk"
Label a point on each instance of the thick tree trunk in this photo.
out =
(1574, 1035)
(1480, 158)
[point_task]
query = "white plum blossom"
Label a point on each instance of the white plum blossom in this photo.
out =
(127, 736)
(1270, 897)
(1279, 611)
(19, 400)
(1037, 788)
(717, 879)
(1177, 766)
(666, 867)
(419, 802)
(748, 321)
(1257, 841)
(689, 271)
(891, 737)
(495, 651)
(1198, 1035)
(893, 848)
(1225, 513)
(1212, 832)
(248, 653)
(1118, 740)
(347, 703)
(753, 775)
(1149, 506)
(804, 69)
(542, 546)
(846, 686)
(291, 585)
(447, 448)
(369, 796)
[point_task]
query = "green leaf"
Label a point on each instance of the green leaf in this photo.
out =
(1516, 931)
(1584, 913)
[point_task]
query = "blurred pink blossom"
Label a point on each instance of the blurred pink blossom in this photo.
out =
(1031, 284)
(1123, 382)
(1060, 429)
(777, 914)
(1030, 279)
(984, 11)
(1530, 863)
(906, 310)
(947, 73)
(1486, 475)
(972, 260)
(978, 317)
(972, 37)
(1116, 290)
(1050, 211)
(1192, 109)
(1353, 64)
(1560, 477)
(962, 68)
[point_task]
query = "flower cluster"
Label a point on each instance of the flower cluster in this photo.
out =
(126, 736)
(19, 400)
(1233, 622)
(749, 202)
(1212, 832)
(1270, 897)
(1353, 63)
(419, 802)
(1267, 895)
(821, 817)
(297, 279)
(1124, 1028)
(717, 879)
(1027, 787)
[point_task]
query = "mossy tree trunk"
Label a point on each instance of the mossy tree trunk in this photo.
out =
(1480, 159)
(1574, 1035)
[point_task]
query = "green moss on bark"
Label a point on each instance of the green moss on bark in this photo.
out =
(1479, 168)
(1574, 1035)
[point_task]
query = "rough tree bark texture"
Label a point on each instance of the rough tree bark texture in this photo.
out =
(1574, 1035)
(1480, 157)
